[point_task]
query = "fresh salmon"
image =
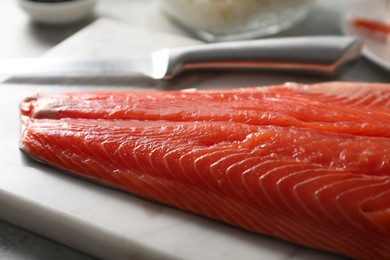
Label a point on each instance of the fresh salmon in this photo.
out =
(305, 163)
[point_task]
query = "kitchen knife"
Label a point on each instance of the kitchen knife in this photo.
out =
(321, 54)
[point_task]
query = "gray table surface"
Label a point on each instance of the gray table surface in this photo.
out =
(19, 37)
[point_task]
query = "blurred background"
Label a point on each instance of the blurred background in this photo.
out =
(22, 37)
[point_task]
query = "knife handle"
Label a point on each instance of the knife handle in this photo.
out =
(322, 54)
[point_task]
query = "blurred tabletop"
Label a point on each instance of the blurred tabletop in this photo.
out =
(20, 37)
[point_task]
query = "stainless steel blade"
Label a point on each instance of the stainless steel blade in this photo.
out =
(151, 65)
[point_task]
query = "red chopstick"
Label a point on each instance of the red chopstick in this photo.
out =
(372, 25)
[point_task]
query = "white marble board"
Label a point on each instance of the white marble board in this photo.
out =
(106, 223)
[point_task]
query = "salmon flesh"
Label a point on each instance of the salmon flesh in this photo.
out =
(308, 164)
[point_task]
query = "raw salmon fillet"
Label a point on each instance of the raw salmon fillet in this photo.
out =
(305, 163)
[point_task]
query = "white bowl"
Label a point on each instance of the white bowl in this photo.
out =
(58, 12)
(225, 20)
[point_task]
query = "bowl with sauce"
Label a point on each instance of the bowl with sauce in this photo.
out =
(219, 20)
(57, 11)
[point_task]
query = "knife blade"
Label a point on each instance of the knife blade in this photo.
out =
(321, 54)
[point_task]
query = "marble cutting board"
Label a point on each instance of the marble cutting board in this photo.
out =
(100, 221)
